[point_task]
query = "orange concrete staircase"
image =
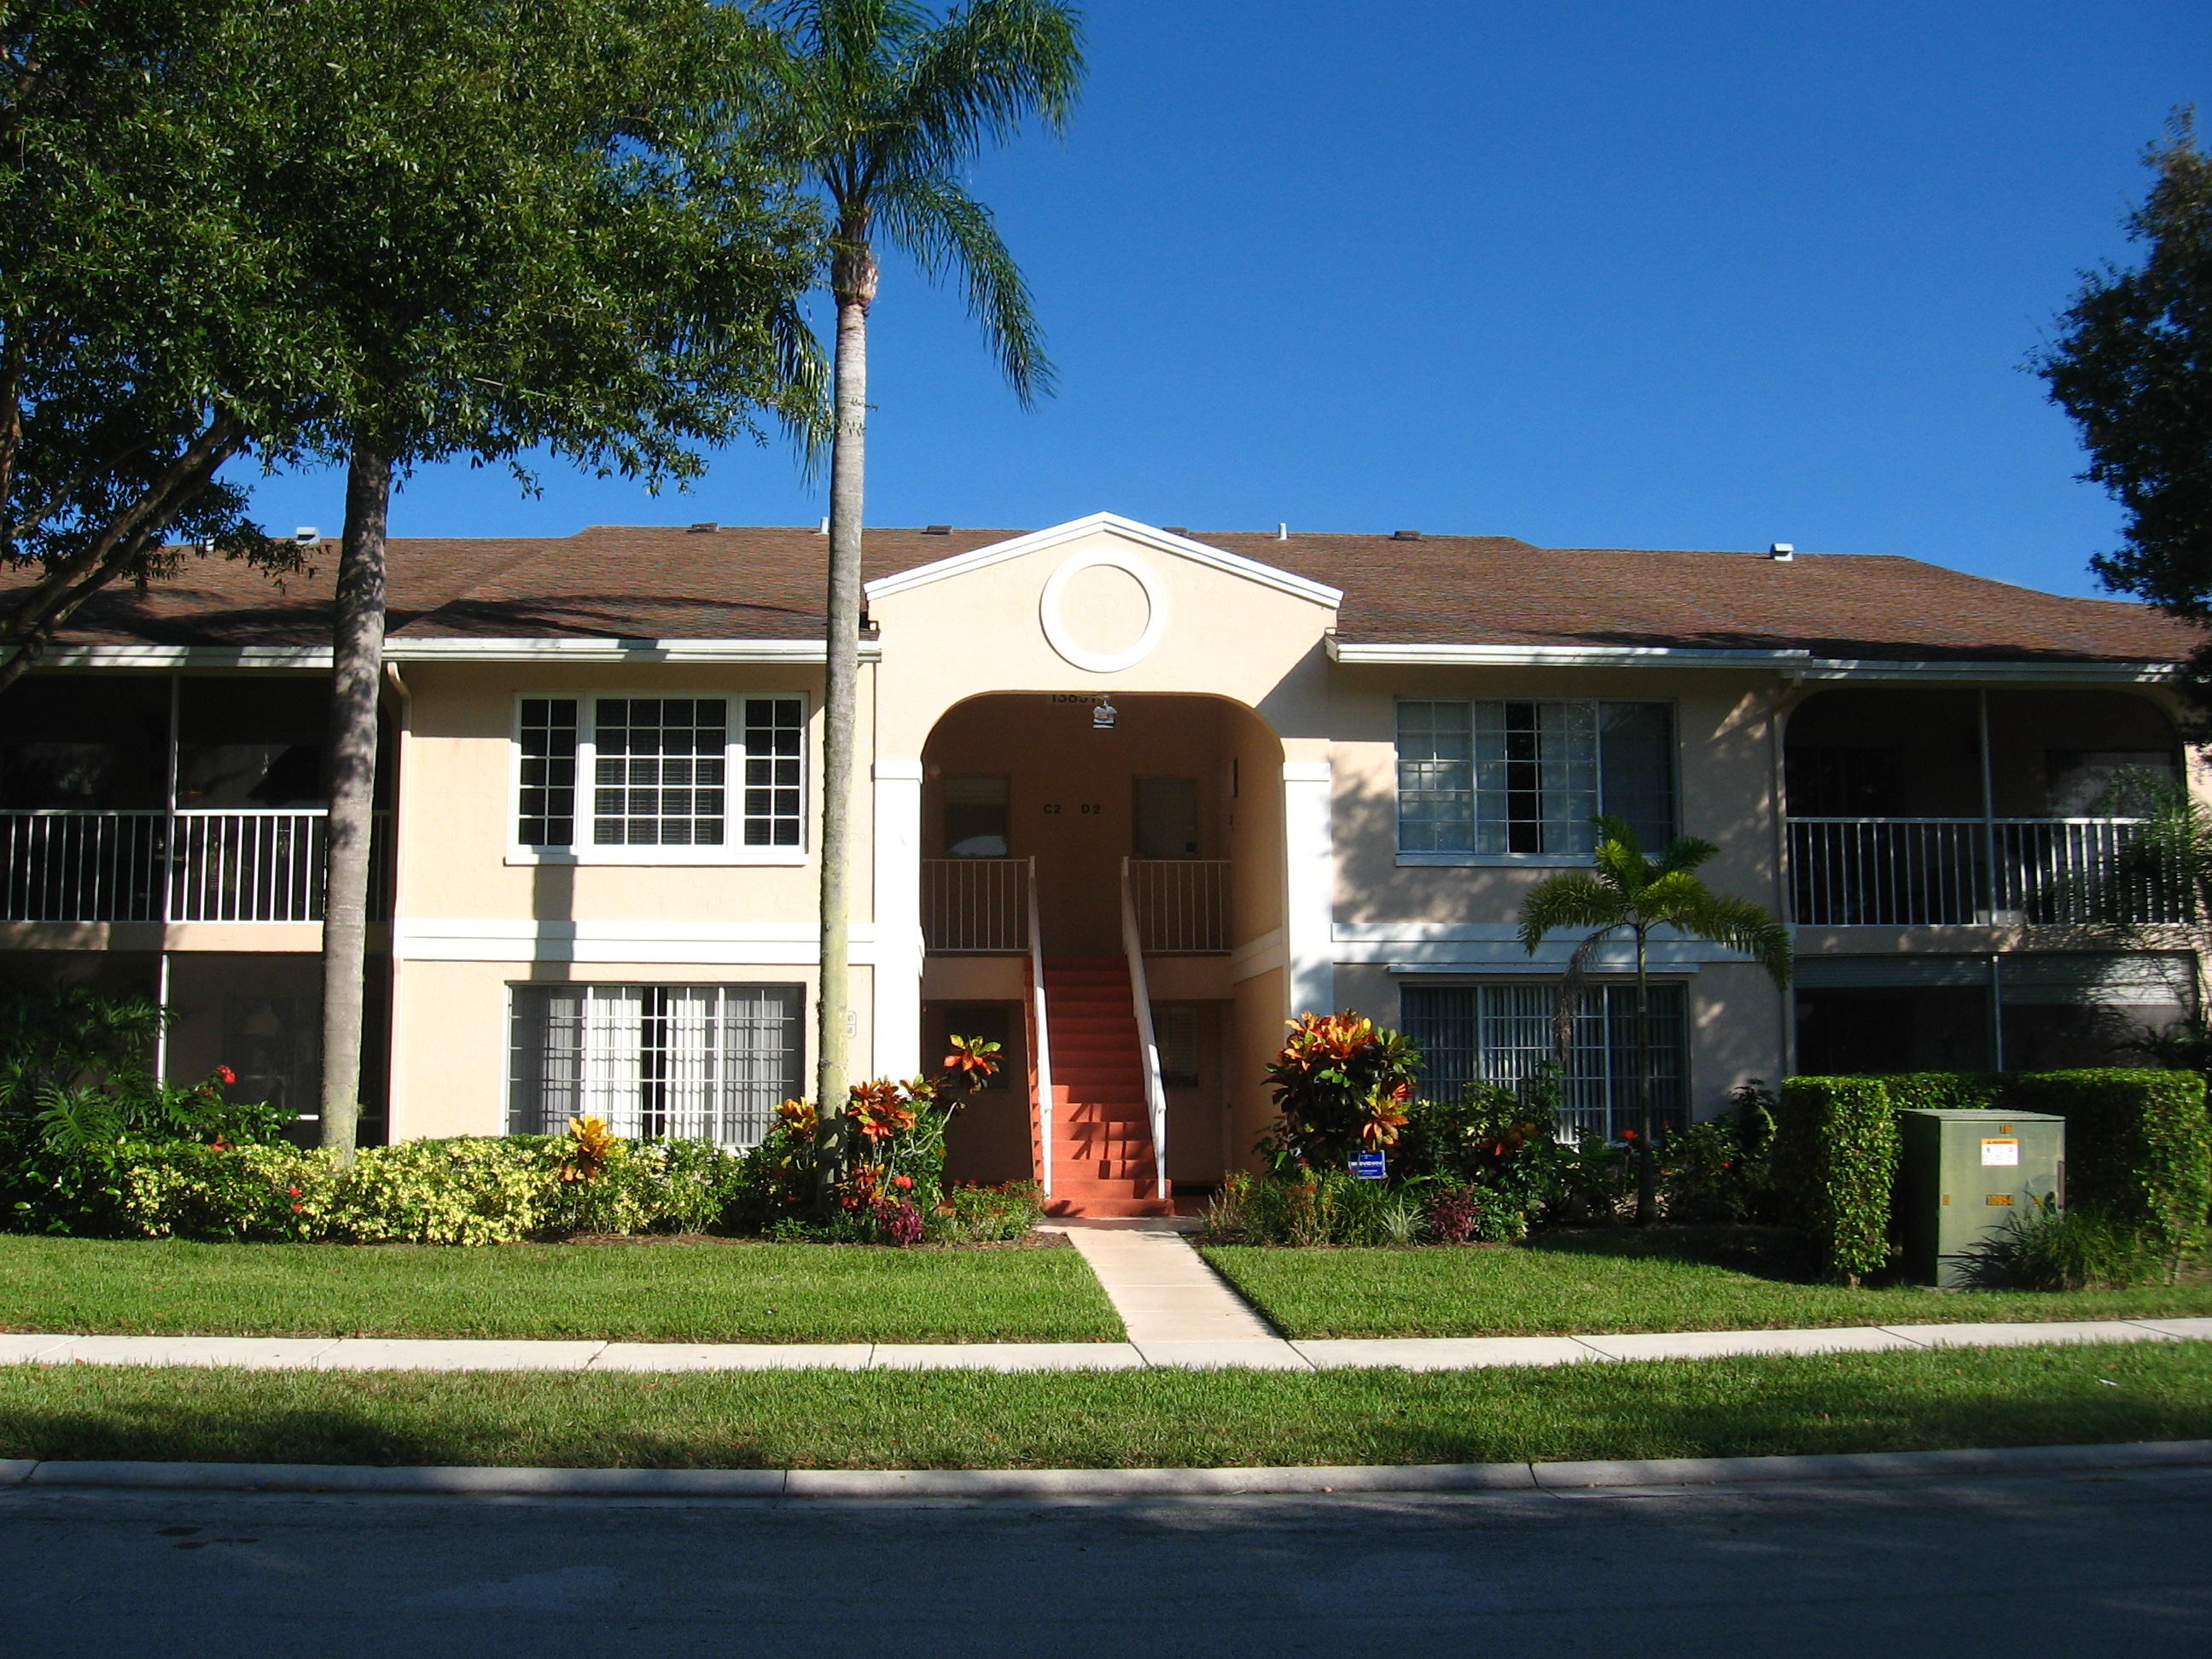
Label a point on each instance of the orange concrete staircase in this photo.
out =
(1101, 1134)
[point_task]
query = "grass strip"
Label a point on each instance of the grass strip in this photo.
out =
(945, 1420)
(1685, 1280)
(714, 1291)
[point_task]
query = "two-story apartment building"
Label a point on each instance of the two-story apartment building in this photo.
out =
(1130, 798)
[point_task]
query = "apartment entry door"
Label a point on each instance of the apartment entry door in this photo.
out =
(1166, 818)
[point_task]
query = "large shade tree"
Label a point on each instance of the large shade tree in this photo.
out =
(150, 328)
(2133, 367)
(540, 227)
(1626, 891)
(887, 104)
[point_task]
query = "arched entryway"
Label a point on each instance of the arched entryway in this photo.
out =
(1058, 832)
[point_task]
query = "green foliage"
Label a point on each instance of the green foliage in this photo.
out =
(1835, 1162)
(974, 1214)
(1319, 1208)
(1948, 1091)
(2138, 1150)
(2133, 367)
(2078, 1248)
(1341, 1084)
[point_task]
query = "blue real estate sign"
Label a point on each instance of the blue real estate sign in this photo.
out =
(1370, 1166)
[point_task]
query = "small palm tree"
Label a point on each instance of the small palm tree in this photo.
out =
(1628, 890)
(886, 105)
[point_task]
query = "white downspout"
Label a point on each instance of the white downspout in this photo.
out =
(1043, 1057)
(1156, 1096)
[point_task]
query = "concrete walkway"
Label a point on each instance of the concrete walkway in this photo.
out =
(1267, 1352)
(1176, 1308)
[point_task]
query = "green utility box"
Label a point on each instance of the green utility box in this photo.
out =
(1964, 1173)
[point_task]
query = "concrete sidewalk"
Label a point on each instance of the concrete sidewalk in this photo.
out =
(1267, 1352)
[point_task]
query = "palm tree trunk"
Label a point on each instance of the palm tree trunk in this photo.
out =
(853, 280)
(1647, 1173)
(356, 669)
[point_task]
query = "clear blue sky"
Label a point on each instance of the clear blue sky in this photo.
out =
(1671, 274)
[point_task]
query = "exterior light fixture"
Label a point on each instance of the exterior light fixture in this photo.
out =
(1103, 716)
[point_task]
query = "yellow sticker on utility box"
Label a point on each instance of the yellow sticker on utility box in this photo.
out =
(2006, 1151)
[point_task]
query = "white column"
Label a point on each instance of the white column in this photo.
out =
(898, 947)
(1310, 883)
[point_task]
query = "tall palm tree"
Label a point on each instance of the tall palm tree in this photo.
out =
(887, 104)
(1626, 890)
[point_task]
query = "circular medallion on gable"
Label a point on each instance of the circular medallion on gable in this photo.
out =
(1104, 611)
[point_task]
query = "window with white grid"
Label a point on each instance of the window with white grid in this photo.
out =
(547, 804)
(775, 809)
(659, 771)
(708, 1062)
(1502, 1034)
(662, 779)
(1524, 778)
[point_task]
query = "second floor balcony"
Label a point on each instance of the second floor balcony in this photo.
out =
(1949, 808)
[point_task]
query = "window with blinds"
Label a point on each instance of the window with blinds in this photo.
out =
(694, 776)
(1500, 779)
(709, 1062)
(1502, 1034)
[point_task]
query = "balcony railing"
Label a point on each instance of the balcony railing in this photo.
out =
(1934, 873)
(975, 907)
(1181, 904)
(193, 866)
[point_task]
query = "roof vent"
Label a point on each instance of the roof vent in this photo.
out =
(1405, 535)
(307, 536)
(704, 527)
(937, 530)
(1781, 552)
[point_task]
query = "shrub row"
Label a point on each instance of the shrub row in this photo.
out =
(470, 1190)
(2138, 1153)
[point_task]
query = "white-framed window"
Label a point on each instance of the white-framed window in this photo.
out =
(1502, 1034)
(1521, 779)
(688, 779)
(705, 1061)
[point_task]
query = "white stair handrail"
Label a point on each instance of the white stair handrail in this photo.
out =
(1043, 1058)
(1156, 1096)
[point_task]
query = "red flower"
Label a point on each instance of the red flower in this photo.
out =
(223, 1073)
(292, 1192)
(1628, 1134)
(296, 1208)
(902, 1181)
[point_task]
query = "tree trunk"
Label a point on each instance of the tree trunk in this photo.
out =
(853, 280)
(1647, 1171)
(356, 672)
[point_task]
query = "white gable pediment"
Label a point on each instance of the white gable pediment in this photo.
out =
(1143, 536)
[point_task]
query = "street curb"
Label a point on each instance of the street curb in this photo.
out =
(815, 1484)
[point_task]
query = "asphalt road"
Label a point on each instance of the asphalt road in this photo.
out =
(2074, 1564)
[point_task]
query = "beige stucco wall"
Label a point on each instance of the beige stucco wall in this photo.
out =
(1726, 752)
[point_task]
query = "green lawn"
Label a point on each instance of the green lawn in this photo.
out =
(963, 1419)
(709, 1291)
(1688, 1279)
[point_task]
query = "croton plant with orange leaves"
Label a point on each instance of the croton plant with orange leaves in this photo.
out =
(1341, 1084)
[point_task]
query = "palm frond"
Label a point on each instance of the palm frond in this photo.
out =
(1575, 899)
(1684, 853)
(977, 76)
(1569, 1001)
(948, 232)
(1739, 924)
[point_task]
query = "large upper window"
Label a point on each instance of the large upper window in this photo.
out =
(705, 1062)
(695, 777)
(1523, 779)
(1502, 1034)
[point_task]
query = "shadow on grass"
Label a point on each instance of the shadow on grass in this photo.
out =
(1777, 1253)
(1752, 1407)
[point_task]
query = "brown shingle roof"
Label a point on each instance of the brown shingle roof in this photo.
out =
(610, 582)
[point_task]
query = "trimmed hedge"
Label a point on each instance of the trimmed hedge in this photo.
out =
(1835, 1161)
(2138, 1150)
